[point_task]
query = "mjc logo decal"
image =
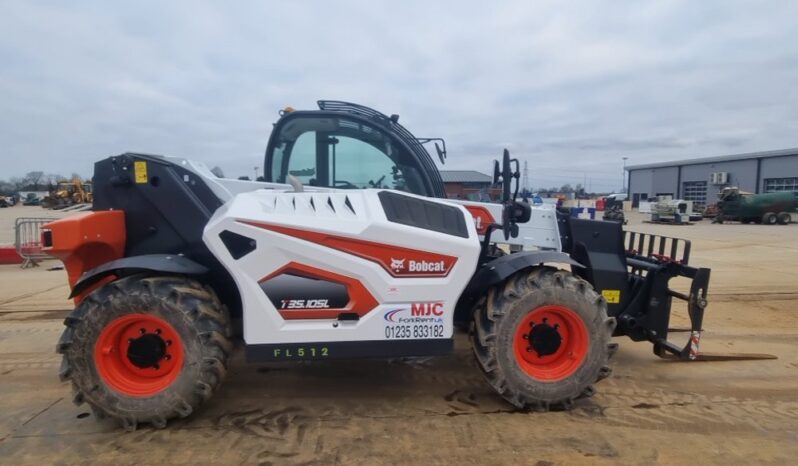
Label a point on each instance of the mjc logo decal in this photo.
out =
(426, 309)
(416, 312)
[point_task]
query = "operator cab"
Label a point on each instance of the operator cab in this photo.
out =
(347, 146)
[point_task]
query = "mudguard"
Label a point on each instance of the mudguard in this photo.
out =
(497, 270)
(168, 263)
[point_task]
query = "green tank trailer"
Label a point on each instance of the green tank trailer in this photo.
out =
(767, 208)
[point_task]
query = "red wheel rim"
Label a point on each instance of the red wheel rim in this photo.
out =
(550, 343)
(139, 354)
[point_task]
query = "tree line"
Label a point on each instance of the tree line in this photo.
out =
(579, 191)
(33, 181)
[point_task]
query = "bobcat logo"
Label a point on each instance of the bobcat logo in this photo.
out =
(397, 264)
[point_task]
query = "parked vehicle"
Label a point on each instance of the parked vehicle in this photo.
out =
(767, 208)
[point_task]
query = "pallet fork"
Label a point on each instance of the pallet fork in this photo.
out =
(633, 271)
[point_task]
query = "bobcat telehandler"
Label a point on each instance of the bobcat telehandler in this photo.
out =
(348, 250)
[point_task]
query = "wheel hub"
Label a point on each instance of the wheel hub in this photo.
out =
(139, 354)
(544, 339)
(551, 342)
(147, 351)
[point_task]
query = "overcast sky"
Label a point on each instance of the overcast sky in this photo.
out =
(570, 87)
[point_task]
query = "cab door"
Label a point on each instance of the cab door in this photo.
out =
(343, 152)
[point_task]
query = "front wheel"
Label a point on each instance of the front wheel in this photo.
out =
(146, 349)
(542, 338)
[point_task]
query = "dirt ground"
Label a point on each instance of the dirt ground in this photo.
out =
(439, 410)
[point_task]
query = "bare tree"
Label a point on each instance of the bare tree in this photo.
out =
(33, 179)
(52, 180)
(6, 187)
(17, 183)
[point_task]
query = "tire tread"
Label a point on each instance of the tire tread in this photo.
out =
(488, 314)
(203, 309)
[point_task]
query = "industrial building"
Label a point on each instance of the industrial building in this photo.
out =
(700, 180)
(469, 184)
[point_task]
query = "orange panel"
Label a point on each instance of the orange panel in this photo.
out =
(85, 241)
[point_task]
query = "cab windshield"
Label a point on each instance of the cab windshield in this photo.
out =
(337, 152)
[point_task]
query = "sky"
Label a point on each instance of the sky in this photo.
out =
(569, 87)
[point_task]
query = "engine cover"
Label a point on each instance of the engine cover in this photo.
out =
(347, 273)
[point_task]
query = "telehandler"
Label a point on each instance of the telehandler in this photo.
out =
(348, 250)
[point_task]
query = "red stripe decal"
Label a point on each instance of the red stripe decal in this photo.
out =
(482, 218)
(360, 300)
(398, 261)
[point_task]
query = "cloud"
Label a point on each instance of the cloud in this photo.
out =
(570, 87)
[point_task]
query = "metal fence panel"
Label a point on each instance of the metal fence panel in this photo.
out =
(27, 240)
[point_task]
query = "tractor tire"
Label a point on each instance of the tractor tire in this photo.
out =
(542, 339)
(784, 218)
(146, 349)
(769, 218)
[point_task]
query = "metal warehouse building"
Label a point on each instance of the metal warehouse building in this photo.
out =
(700, 180)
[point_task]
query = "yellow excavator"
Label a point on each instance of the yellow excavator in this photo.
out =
(68, 193)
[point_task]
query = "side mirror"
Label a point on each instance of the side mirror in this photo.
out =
(496, 172)
(441, 152)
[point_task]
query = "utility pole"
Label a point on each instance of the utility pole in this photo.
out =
(525, 180)
(623, 178)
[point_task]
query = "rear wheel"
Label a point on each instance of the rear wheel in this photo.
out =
(543, 338)
(784, 218)
(769, 218)
(146, 349)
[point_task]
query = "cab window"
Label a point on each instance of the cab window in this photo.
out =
(344, 154)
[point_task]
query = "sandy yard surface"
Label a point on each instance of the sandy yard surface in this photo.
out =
(439, 410)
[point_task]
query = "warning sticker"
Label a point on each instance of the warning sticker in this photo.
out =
(140, 170)
(612, 296)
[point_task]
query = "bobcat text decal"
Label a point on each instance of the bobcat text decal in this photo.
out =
(398, 261)
(415, 266)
